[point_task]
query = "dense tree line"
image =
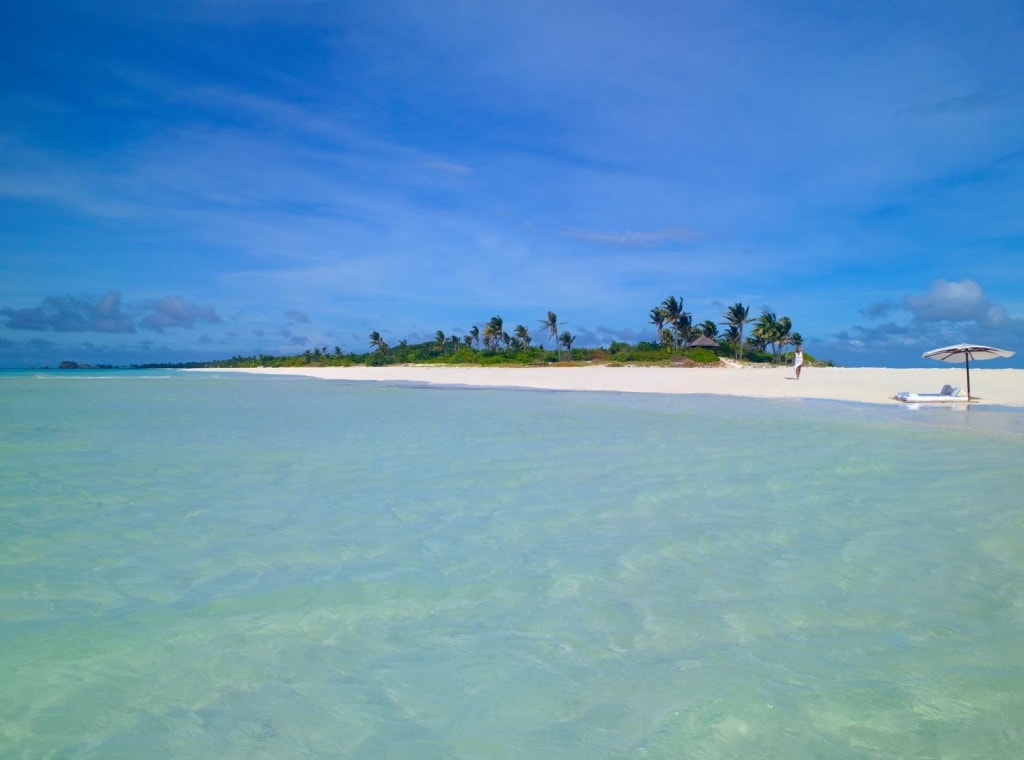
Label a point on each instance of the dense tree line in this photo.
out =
(678, 339)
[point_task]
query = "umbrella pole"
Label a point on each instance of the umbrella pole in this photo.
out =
(967, 361)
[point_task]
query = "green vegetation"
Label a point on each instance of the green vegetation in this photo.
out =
(430, 353)
(736, 316)
(676, 335)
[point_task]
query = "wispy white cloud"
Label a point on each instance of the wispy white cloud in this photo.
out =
(635, 238)
(28, 173)
(968, 103)
(448, 167)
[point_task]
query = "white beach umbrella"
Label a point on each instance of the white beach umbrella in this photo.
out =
(965, 352)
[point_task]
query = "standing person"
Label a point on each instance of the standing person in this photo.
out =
(798, 360)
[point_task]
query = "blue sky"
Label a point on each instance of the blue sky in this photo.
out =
(196, 180)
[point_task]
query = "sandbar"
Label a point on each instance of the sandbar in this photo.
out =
(868, 385)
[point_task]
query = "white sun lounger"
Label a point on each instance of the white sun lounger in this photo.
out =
(948, 394)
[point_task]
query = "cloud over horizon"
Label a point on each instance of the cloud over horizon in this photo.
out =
(175, 311)
(961, 301)
(106, 314)
(72, 314)
(948, 312)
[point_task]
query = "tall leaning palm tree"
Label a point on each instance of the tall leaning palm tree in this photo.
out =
(736, 316)
(377, 342)
(551, 325)
(522, 335)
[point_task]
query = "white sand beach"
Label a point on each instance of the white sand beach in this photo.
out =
(870, 385)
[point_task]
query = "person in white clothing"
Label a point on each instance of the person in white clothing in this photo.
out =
(798, 360)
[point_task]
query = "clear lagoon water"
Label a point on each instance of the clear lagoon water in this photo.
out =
(231, 566)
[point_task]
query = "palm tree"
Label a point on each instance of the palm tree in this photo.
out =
(474, 335)
(566, 340)
(684, 330)
(494, 333)
(657, 316)
(522, 335)
(676, 318)
(736, 316)
(551, 325)
(767, 332)
(671, 308)
(377, 342)
(733, 335)
(784, 333)
(440, 340)
(708, 328)
(797, 340)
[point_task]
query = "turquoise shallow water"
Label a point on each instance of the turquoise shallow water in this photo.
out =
(225, 566)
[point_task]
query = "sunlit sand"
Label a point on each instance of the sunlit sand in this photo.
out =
(870, 385)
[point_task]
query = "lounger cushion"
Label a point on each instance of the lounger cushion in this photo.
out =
(948, 393)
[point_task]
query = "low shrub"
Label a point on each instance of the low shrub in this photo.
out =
(702, 355)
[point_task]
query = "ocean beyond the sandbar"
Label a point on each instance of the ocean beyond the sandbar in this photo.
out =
(224, 565)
